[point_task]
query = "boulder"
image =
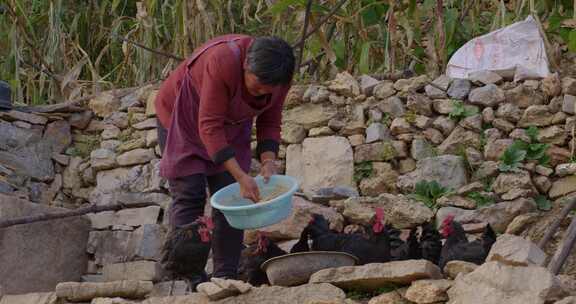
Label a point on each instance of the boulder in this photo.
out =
(384, 90)
(569, 104)
(392, 297)
(538, 115)
(567, 300)
(367, 84)
(102, 159)
(507, 182)
(293, 134)
(459, 138)
(411, 85)
(525, 96)
(551, 85)
(428, 291)
(78, 292)
(448, 170)
(58, 135)
(401, 212)
(35, 257)
(500, 215)
(516, 251)
(484, 77)
(309, 293)
(442, 82)
(30, 298)
(488, 95)
(393, 106)
(316, 94)
(137, 270)
(345, 84)
(434, 92)
(494, 283)
(377, 132)
(135, 157)
(444, 124)
(459, 89)
(310, 115)
(384, 182)
(23, 116)
(317, 167)
(104, 104)
(566, 169)
(454, 268)
(420, 104)
(292, 227)
(373, 276)
(563, 186)
(495, 148)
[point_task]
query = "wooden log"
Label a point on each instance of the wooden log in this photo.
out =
(570, 205)
(76, 212)
(564, 250)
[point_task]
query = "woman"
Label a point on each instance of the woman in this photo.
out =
(205, 110)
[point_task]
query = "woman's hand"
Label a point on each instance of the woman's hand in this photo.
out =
(249, 188)
(268, 169)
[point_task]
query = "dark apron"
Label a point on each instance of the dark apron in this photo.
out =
(185, 154)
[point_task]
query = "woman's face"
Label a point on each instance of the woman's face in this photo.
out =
(255, 88)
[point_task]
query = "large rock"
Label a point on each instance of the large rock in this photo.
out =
(454, 268)
(488, 96)
(563, 186)
(33, 160)
(458, 139)
(525, 96)
(35, 257)
(459, 88)
(317, 167)
(291, 227)
(58, 135)
(309, 293)
(495, 283)
(293, 134)
(507, 182)
(384, 90)
(500, 215)
(393, 106)
(135, 157)
(428, 291)
(373, 276)
(400, 211)
(102, 159)
(78, 292)
(104, 104)
(109, 246)
(137, 270)
(538, 116)
(516, 251)
(448, 170)
(392, 297)
(23, 116)
(30, 298)
(345, 84)
(310, 115)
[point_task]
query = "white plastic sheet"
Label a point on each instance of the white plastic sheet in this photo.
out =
(516, 51)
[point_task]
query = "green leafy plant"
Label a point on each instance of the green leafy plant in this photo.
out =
(363, 170)
(543, 203)
(428, 192)
(388, 151)
(512, 158)
(460, 111)
(481, 200)
(534, 150)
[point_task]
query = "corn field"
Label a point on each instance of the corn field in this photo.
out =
(60, 50)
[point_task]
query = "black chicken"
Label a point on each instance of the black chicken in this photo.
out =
(252, 258)
(186, 250)
(457, 247)
(379, 239)
(324, 239)
(430, 243)
(302, 244)
(400, 250)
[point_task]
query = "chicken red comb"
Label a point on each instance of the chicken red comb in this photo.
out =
(207, 221)
(378, 223)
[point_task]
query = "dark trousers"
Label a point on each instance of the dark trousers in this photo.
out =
(189, 196)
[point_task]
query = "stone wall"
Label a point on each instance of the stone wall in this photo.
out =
(375, 138)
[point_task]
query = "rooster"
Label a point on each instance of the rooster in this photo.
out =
(186, 250)
(457, 247)
(254, 256)
(430, 243)
(379, 239)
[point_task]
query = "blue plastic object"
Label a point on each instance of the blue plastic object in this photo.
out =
(244, 214)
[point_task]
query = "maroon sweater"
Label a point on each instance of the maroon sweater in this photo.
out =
(215, 76)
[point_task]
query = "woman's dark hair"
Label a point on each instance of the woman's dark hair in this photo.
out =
(272, 60)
